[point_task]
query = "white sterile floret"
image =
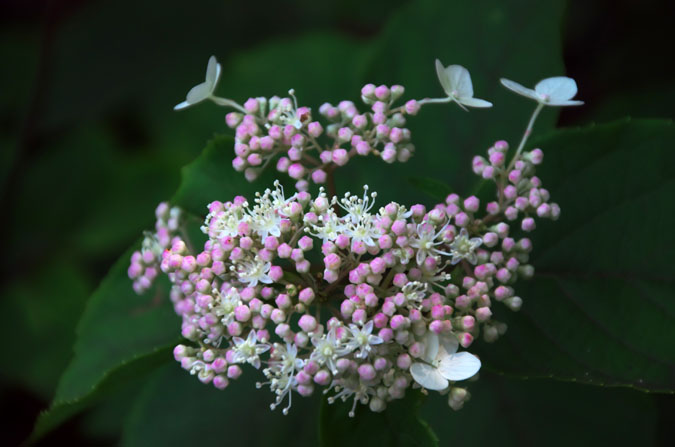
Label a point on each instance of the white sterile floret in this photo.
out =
(456, 82)
(442, 363)
(557, 91)
(464, 248)
(362, 339)
(249, 350)
(205, 90)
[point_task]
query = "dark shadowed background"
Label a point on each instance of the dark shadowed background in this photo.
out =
(89, 144)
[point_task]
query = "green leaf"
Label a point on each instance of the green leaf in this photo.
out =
(174, 409)
(118, 379)
(516, 413)
(517, 39)
(211, 177)
(600, 309)
(431, 187)
(119, 334)
(399, 425)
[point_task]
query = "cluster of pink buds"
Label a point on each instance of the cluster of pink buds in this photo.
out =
(144, 265)
(329, 292)
(277, 129)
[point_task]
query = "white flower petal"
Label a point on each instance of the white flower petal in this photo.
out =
(514, 86)
(212, 72)
(182, 105)
(449, 342)
(430, 346)
(198, 93)
(559, 88)
(428, 376)
(459, 366)
(566, 103)
(475, 102)
(443, 78)
(460, 81)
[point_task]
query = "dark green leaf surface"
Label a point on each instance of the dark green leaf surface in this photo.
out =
(399, 425)
(519, 413)
(119, 333)
(211, 177)
(431, 187)
(601, 308)
(175, 409)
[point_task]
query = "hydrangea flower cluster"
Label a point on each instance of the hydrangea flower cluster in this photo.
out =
(144, 265)
(269, 129)
(334, 292)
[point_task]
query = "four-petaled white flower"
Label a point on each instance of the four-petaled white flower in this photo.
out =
(249, 350)
(205, 90)
(464, 248)
(362, 338)
(456, 82)
(557, 91)
(442, 363)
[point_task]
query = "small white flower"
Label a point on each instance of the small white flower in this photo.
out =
(357, 208)
(456, 82)
(225, 305)
(330, 228)
(255, 271)
(557, 91)
(415, 291)
(426, 241)
(327, 349)
(284, 362)
(362, 339)
(249, 350)
(205, 90)
(442, 363)
(464, 248)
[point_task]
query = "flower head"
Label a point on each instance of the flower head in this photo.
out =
(464, 248)
(443, 363)
(205, 90)
(456, 82)
(249, 350)
(557, 91)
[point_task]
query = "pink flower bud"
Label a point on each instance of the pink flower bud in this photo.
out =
(296, 171)
(472, 204)
(340, 157)
(412, 107)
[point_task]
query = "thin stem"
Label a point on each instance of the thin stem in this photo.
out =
(228, 102)
(447, 99)
(526, 135)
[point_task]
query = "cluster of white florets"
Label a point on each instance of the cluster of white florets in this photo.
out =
(333, 292)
